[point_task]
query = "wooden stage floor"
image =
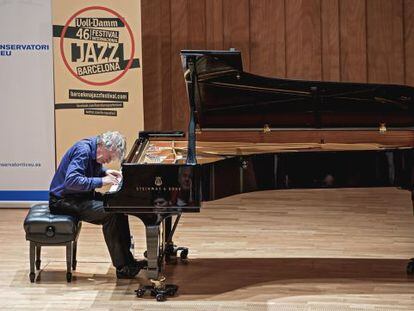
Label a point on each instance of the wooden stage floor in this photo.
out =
(343, 249)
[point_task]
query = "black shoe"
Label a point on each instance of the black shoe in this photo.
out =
(128, 271)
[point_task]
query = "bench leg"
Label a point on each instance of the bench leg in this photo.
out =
(69, 247)
(32, 274)
(38, 252)
(74, 261)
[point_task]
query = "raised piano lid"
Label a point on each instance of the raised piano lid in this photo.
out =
(226, 97)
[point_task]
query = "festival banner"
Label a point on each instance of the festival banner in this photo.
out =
(27, 150)
(97, 69)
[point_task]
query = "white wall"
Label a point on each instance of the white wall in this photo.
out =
(27, 151)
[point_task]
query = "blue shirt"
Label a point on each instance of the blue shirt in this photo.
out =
(78, 172)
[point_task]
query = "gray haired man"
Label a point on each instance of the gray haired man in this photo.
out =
(72, 192)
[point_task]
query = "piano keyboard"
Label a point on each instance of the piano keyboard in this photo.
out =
(115, 188)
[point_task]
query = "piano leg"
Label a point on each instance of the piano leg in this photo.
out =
(155, 256)
(153, 251)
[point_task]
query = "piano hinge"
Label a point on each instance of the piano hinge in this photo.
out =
(382, 128)
(266, 128)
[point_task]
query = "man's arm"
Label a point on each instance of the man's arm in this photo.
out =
(75, 179)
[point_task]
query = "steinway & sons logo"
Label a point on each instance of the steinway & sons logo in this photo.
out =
(158, 183)
(147, 188)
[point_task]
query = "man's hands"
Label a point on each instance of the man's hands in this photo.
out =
(116, 174)
(109, 180)
(112, 177)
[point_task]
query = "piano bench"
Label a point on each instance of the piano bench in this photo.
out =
(46, 229)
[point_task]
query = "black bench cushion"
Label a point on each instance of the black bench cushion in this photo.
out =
(43, 227)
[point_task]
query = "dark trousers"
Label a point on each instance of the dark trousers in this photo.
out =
(115, 226)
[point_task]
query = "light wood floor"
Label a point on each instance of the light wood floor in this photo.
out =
(343, 249)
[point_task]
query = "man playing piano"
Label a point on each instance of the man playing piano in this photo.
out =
(72, 192)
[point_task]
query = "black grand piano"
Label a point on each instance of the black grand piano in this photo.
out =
(250, 133)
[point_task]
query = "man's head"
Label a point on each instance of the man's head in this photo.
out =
(111, 146)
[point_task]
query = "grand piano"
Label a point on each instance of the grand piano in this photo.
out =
(251, 133)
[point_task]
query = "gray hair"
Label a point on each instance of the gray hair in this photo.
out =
(113, 141)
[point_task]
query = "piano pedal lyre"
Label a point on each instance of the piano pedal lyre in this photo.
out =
(170, 249)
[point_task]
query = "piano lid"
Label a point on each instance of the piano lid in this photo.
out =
(226, 97)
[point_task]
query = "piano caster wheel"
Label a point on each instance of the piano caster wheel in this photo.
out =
(168, 290)
(171, 289)
(410, 267)
(184, 254)
(140, 292)
(32, 277)
(170, 253)
(69, 277)
(38, 262)
(170, 249)
(160, 297)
